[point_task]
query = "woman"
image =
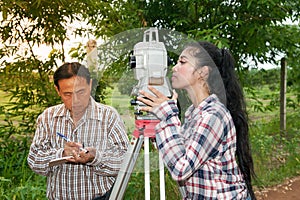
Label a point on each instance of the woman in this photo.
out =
(209, 153)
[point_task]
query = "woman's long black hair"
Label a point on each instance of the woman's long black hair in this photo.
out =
(237, 107)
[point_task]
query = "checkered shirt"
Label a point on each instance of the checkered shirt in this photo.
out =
(102, 128)
(200, 154)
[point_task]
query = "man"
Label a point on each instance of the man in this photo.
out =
(91, 134)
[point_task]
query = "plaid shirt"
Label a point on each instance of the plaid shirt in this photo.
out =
(100, 127)
(200, 155)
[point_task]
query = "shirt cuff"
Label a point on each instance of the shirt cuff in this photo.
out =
(59, 153)
(96, 161)
(166, 110)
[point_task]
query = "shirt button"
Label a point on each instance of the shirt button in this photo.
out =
(170, 165)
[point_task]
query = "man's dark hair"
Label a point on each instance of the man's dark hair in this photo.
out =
(68, 70)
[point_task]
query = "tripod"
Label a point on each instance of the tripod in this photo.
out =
(144, 131)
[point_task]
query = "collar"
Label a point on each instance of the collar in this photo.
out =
(92, 111)
(192, 111)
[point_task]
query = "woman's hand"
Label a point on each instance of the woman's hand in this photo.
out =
(153, 100)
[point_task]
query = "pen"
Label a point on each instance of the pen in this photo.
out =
(68, 140)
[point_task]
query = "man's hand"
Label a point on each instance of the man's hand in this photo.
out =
(83, 157)
(73, 149)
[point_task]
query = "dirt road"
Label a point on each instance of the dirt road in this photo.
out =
(289, 190)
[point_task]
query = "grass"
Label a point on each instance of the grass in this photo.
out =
(4, 98)
(122, 104)
(276, 154)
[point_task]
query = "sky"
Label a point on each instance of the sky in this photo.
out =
(44, 50)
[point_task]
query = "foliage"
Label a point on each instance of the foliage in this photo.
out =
(259, 77)
(277, 152)
(28, 24)
(250, 29)
(17, 181)
(127, 82)
(276, 157)
(294, 76)
(135, 189)
(30, 92)
(262, 88)
(247, 28)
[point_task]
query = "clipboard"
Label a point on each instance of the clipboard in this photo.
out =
(58, 161)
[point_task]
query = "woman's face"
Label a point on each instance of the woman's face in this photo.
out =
(184, 72)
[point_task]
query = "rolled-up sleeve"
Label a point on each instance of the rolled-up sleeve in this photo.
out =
(108, 161)
(40, 152)
(183, 156)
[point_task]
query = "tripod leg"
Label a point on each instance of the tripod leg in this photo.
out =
(161, 177)
(162, 190)
(126, 169)
(147, 168)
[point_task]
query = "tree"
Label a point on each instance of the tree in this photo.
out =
(250, 29)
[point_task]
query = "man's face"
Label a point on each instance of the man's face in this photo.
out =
(75, 93)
